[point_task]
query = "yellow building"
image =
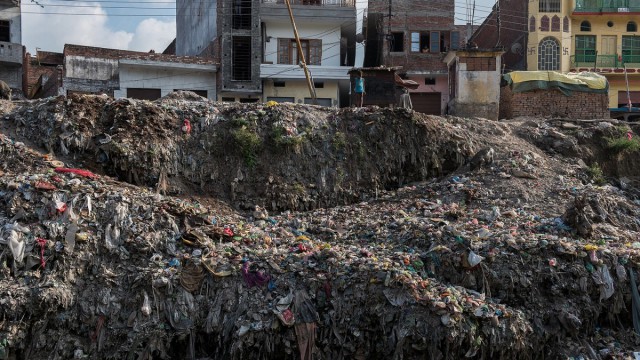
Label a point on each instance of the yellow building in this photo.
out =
(588, 35)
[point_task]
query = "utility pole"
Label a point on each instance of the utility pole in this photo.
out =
(303, 62)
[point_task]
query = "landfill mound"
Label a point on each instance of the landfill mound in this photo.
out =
(278, 156)
(517, 253)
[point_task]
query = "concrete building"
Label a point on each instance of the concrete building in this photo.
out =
(605, 39)
(11, 49)
(131, 74)
(474, 82)
(589, 35)
(327, 32)
(414, 34)
(252, 40)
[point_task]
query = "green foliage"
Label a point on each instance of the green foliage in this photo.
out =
(595, 173)
(281, 139)
(249, 144)
(623, 144)
(339, 141)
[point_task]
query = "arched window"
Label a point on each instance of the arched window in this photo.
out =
(585, 26)
(532, 24)
(565, 24)
(555, 23)
(549, 54)
(632, 26)
(544, 23)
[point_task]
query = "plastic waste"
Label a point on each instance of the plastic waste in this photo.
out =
(146, 305)
(474, 259)
(70, 237)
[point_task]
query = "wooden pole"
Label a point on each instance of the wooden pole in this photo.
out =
(303, 63)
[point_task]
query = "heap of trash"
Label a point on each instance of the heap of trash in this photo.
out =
(512, 253)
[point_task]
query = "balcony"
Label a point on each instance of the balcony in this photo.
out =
(10, 53)
(606, 6)
(310, 11)
(606, 63)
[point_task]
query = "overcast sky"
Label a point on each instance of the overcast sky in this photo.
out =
(139, 25)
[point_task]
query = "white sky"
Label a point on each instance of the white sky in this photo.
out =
(139, 25)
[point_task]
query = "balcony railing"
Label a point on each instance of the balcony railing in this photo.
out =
(615, 6)
(339, 3)
(605, 61)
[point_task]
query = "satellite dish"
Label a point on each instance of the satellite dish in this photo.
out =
(359, 38)
(516, 48)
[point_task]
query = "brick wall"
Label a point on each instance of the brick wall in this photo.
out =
(103, 53)
(415, 16)
(552, 103)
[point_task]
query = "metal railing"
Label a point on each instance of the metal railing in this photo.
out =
(616, 6)
(339, 3)
(605, 61)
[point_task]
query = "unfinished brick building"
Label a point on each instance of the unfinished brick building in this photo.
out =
(414, 34)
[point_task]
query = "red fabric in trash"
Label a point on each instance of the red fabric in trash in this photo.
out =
(85, 173)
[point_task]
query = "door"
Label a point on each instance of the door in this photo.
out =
(608, 51)
(428, 103)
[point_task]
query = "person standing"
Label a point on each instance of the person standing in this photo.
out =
(359, 89)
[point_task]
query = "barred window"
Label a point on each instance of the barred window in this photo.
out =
(549, 6)
(549, 54)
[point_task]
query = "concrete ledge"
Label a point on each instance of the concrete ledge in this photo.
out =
(167, 65)
(319, 72)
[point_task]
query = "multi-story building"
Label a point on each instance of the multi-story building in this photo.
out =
(11, 49)
(589, 35)
(254, 43)
(414, 34)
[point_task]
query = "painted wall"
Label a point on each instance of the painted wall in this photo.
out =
(564, 39)
(328, 33)
(441, 86)
(599, 28)
(478, 86)
(167, 80)
(81, 67)
(12, 13)
(196, 25)
(298, 89)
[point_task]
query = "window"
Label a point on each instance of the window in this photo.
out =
(397, 42)
(555, 23)
(549, 6)
(228, 99)
(241, 18)
(544, 23)
(429, 81)
(631, 49)
(549, 54)
(585, 26)
(248, 100)
(288, 51)
(5, 31)
(532, 24)
(279, 84)
(318, 85)
(585, 49)
(632, 26)
(241, 58)
(434, 40)
(565, 24)
(455, 40)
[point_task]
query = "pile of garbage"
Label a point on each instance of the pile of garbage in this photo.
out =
(280, 156)
(511, 254)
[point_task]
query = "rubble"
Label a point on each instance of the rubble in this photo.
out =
(445, 263)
